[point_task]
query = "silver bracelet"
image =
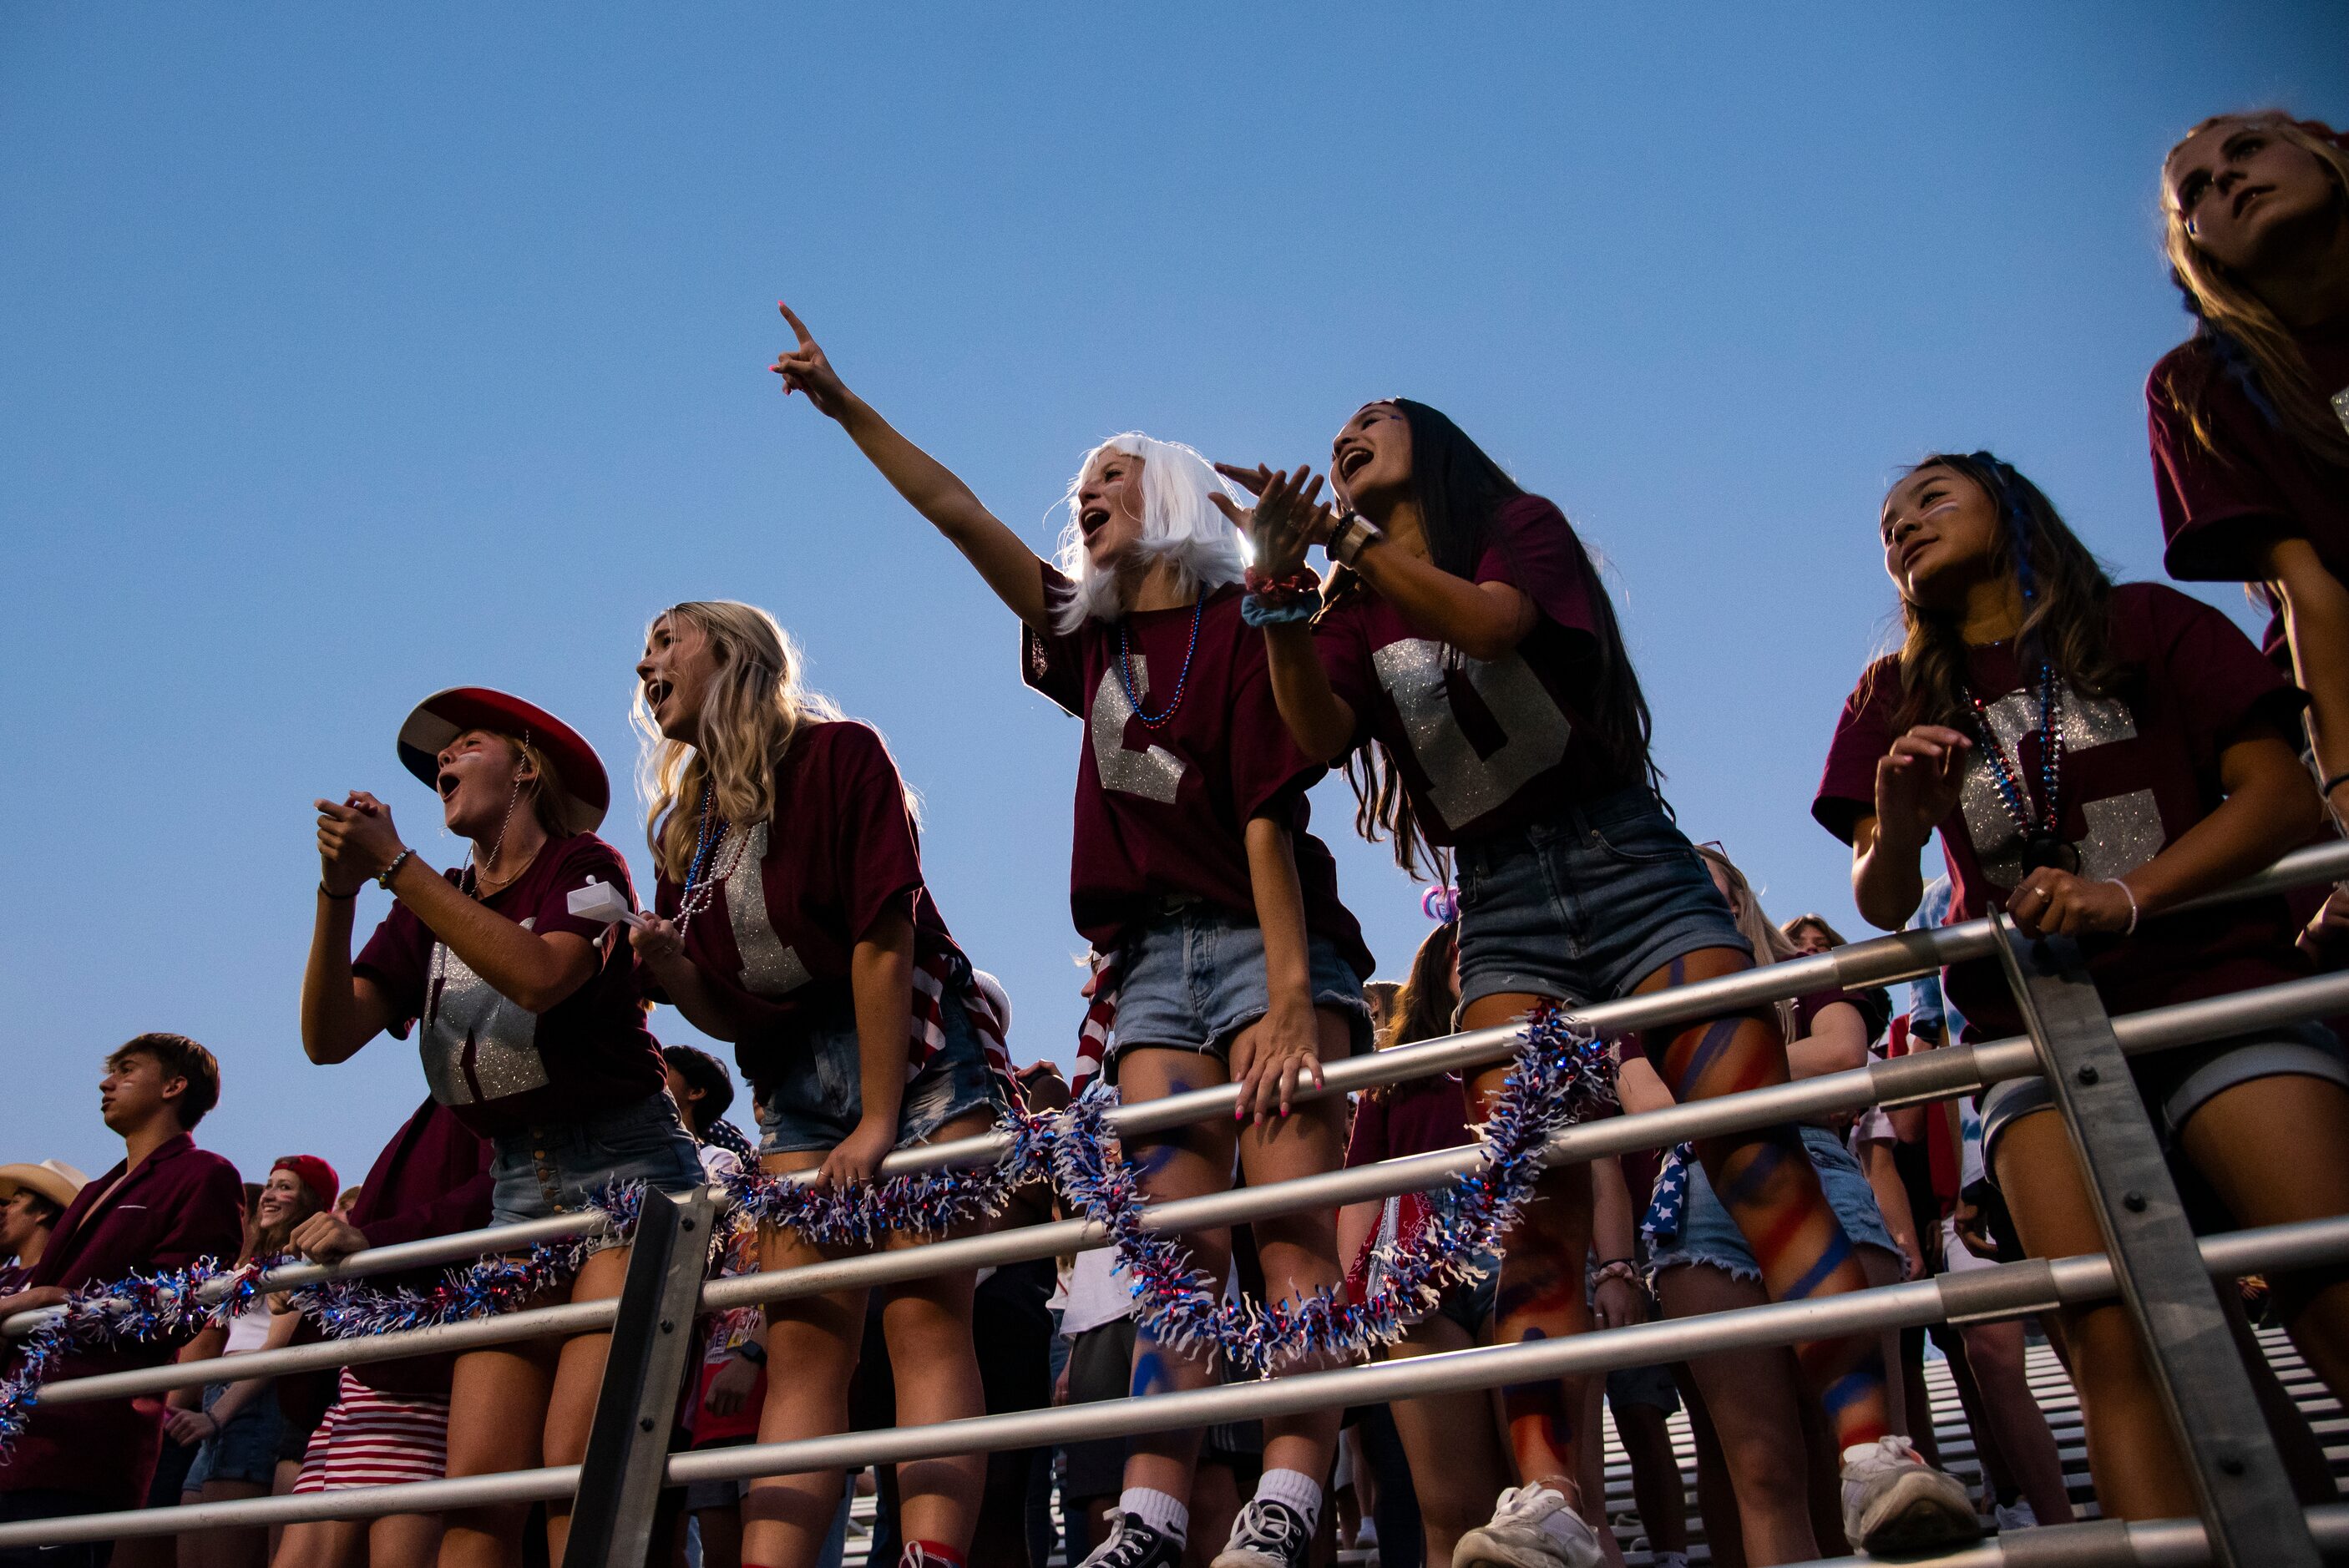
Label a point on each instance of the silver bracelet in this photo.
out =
(1354, 534)
(2130, 929)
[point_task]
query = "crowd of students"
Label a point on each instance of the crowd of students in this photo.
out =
(2091, 754)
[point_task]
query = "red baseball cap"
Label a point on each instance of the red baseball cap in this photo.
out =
(313, 1173)
(583, 793)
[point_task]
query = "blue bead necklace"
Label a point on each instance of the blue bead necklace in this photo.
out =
(1125, 664)
(2043, 844)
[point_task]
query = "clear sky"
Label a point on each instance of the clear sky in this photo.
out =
(352, 353)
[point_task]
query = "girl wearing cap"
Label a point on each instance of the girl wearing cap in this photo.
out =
(2249, 417)
(2093, 756)
(1468, 663)
(241, 1430)
(792, 919)
(1228, 957)
(532, 1031)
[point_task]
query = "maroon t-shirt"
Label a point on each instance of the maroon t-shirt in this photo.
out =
(498, 1066)
(1164, 812)
(2221, 508)
(182, 1204)
(773, 943)
(2140, 768)
(1484, 747)
(432, 1180)
(1417, 1117)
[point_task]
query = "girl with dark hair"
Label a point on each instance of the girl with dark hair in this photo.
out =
(2249, 417)
(1227, 957)
(2093, 756)
(1467, 658)
(531, 1029)
(792, 918)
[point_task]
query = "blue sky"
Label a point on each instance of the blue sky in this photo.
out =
(351, 354)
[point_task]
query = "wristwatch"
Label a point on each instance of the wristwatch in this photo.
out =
(753, 1352)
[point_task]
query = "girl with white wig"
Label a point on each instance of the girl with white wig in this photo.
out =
(1225, 955)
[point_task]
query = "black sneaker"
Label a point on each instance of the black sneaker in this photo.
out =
(1134, 1544)
(1267, 1534)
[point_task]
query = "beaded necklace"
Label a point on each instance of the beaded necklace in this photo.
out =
(1125, 664)
(712, 840)
(2043, 844)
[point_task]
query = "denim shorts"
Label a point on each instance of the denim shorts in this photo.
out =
(2174, 1084)
(539, 1171)
(1192, 978)
(1585, 906)
(815, 1095)
(1469, 1302)
(246, 1448)
(1709, 1235)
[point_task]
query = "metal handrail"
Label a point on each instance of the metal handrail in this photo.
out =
(1906, 1080)
(2004, 1291)
(1879, 961)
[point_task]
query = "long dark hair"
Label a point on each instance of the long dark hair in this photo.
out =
(1423, 1007)
(2068, 613)
(1459, 490)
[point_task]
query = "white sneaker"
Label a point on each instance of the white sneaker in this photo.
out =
(1893, 1501)
(2016, 1515)
(1533, 1527)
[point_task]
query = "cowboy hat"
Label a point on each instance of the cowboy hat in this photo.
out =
(582, 792)
(52, 1179)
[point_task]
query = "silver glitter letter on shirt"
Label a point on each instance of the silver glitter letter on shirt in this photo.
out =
(1154, 773)
(768, 968)
(1466, 786)
(2124, 830)
(466, 1018)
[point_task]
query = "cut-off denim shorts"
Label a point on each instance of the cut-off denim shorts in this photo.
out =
(816, 1097)
(1709, 1235)
(1192, 978)
(539, 1171)
(2174, 1084)
(1585, 906)
(246, 1448)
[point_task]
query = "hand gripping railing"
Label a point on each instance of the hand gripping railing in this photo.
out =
(1935, 1074)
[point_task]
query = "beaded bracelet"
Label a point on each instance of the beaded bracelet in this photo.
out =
(1281, 601)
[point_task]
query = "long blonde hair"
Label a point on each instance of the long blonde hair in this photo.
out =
(754, 707)
(2245, 339)
(1770, 943)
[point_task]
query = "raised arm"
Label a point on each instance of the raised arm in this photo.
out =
(1917, 785)
(340, 1011)
(1009, 567)
(1284, 522)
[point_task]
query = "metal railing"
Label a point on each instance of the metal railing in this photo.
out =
(2247, 1515)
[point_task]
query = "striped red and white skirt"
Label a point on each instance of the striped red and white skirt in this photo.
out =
(373, 1439)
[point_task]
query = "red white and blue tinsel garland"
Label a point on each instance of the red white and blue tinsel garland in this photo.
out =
(138, 1307)
(927, 1203)
(1561, 1074)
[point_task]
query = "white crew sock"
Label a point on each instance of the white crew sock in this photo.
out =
(1296, 1489)
(1169, 1516)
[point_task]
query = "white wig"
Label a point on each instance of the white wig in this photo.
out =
(1179, 524)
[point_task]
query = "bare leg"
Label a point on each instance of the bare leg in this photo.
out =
(1753, 1398)
(1766, 1181)
(1182, 1162)
(2018, 1429)
(1541, 1293)
(1458, 1461)
(323, 1544)
(1656, 1487)
(497, 1419)
(787, 1519)
(578, 1379)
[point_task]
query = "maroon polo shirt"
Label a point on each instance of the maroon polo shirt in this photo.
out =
(182, 1204)
(1162, 811)
(2140, 768)
(2224, 503)
(1485, 746)
(774, 942)
(500, 1067)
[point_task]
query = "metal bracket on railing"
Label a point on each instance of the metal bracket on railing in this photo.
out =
(2244, 1497)
(652, 1342)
